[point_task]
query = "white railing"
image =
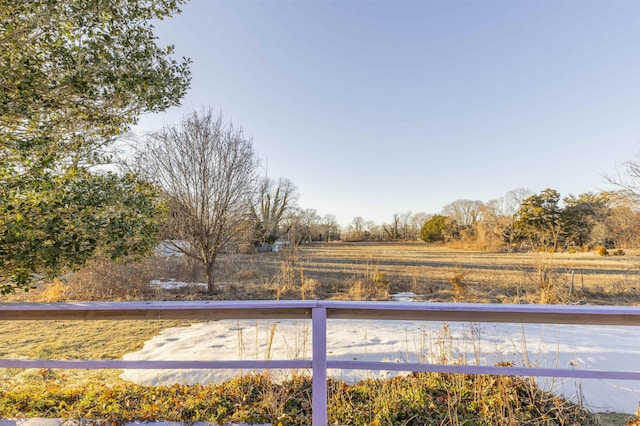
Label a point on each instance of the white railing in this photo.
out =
(319, 312)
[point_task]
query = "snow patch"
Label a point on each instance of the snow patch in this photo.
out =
(404, 296)
(172, 284)
(536, 345)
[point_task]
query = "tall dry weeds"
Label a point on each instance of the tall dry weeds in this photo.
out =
(460, 287)
(551, 285)
(107, 280)
(372, 284)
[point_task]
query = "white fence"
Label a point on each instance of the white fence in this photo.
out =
(319, 312)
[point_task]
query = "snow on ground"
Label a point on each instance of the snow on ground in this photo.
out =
(173, 284)
(404, 296)
(538, 345)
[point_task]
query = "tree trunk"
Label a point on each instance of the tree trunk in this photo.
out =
(211, 288)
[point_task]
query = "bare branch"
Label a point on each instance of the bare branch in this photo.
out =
(206, 168)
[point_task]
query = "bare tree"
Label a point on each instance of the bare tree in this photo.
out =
(206, 168)
(357, 225)
(372, 231)
(405, 231)
(303, 225)
(626, 210)
(269, 204)
(622, 223)
(309, 225)
(399, 227)
(330, 228)
(629, 183)
(465, 212)
(498, 216)
(416, 222)
(393, 229)
(513, 200)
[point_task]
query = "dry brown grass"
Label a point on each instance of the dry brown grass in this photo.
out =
(98, 340)
(107, 280)
(364, 271)
(456, 278)
(369, 271)
(354, 270)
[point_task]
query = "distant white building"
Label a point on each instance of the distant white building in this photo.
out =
(276, 246)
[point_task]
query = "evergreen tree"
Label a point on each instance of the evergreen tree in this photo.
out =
(75, 75)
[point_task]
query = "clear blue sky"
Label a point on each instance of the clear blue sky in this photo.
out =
(380, 107)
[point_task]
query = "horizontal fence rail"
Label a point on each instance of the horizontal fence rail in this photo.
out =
(319, 312)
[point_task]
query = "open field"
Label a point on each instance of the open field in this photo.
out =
(376, 270)
(370, 271)
(364, 271)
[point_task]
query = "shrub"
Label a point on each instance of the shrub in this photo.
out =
(108, 280)
(602, 251)
(432, 229)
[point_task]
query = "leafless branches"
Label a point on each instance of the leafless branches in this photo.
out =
(206, 167)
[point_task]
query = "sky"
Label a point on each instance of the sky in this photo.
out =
(379, 107)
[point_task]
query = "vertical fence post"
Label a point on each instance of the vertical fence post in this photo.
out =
(319, 365)
(571, 286)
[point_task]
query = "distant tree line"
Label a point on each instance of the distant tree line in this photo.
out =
(521, 220)
(542, 221)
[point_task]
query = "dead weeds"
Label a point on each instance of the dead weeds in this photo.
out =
(363, 271)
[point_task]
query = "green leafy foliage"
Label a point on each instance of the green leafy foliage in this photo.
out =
(585, 217)
(432, 230)
(52, 224)
(75, 75)
(583, 221)
(539, 219)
